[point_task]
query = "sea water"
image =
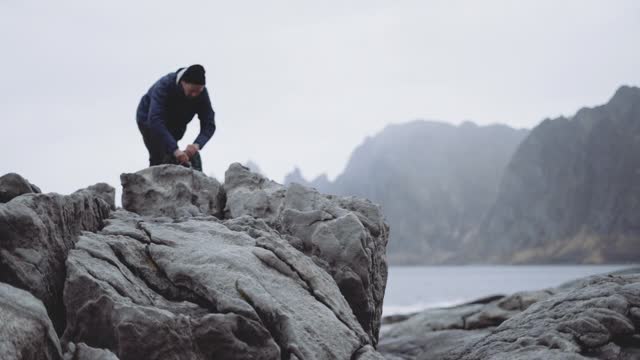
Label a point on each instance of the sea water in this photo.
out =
(414, 288)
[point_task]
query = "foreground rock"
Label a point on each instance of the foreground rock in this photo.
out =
(13, 185)
(26, 332)
(172, 191)
(596, 317)
(346, 236)
(36, 233)
(188, 285)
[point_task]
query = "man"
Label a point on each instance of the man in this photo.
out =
(166, 109)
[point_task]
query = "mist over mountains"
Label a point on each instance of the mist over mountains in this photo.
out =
(435, 182)
(571, 192)
(567, 191)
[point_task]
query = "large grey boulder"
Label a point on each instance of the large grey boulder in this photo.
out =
(346, 236)
(13, 185)
(200, 288)
(36, 233)
(26, 332)
(595, 317)
(173, 191)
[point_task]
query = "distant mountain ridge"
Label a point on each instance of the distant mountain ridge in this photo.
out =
(571, 193)
(568, 191)
(435, 182)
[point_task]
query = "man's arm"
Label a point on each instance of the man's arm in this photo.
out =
(207, 120)
(157, 115)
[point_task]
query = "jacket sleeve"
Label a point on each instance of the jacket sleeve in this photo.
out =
(207, 120)
(157, 116)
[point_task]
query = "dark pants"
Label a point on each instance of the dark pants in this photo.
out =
(158, 154)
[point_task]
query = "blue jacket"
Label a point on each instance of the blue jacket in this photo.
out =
(164, 112)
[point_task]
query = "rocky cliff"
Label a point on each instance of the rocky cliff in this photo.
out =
(190, 269)
(571, 193)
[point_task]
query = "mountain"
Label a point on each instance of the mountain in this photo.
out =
(320, 183)
(435, 182)
(571, 192)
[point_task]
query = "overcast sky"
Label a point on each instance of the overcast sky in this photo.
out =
(293, 82)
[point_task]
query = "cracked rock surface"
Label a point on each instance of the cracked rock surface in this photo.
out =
(26, 332)
(195, 289)
(36, 233)
(595, 317)
(173, 191)
(346, 236)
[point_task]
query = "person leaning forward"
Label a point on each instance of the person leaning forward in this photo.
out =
(166, 109)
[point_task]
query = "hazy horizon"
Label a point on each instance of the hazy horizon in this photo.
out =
(293, 84)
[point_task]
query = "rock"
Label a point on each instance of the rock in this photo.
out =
(593, 319)
(194, 288)
(590, 317)
(13, 185)
(346, 236)
(37, 232)
(431, 345)
(26, 332)
(84, 352)
(173, 191)
(106, 193)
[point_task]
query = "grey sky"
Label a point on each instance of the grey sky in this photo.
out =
(293, 82)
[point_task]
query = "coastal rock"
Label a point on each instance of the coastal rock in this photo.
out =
(26, 332)
(595, 320)
(173, 191)
(37, 231)
(346, 236)
(194, 288)
(595, 317)
(83, 352)
(13, 185)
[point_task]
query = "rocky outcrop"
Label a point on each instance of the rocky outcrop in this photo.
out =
(26, 332)
(36, 233)
(346, 236)
(13, 185)
(571, 192)
(171, 191)
(596, 317)
(190, 285)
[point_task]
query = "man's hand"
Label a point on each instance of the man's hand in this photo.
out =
(181, 156)
(192, 149)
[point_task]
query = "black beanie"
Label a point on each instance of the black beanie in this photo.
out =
(194, 74)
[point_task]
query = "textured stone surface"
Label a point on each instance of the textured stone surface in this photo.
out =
(595, 317)
(13, 185)
(173, 191)
(346, 236)
(83, 352)
(26, 332)
(196, 289)
(36, 233)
